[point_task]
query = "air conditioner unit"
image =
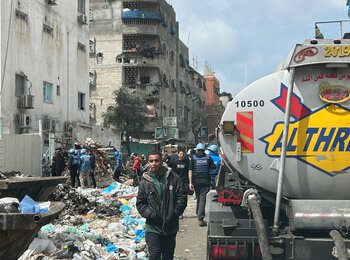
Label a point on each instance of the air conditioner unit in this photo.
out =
(26, 101)
(51, 2)
(82, 19)
(23, 120)
(46, 124)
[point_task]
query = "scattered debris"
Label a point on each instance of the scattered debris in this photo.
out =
(96, 224)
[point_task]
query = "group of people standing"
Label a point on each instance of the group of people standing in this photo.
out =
(81, 167)
(163, 190)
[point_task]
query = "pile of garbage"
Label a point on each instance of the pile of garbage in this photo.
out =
(96, 224)
(6, 175)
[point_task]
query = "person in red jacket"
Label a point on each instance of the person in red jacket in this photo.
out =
(136, 167)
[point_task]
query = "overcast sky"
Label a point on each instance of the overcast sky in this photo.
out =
(238, 36)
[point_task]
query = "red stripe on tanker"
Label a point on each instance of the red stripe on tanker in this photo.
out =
(245, 128)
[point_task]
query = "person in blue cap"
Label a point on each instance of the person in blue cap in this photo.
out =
(214, 154)
(199, 179)
(73, 165)
(118, 165)
(84, 168)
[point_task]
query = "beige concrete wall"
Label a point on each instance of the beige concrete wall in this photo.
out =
(21, 153)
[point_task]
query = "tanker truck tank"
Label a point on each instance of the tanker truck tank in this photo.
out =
(317, 152)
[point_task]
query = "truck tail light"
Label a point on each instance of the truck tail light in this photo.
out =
(228, 252)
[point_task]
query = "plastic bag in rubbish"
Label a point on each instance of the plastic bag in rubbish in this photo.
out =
(109, 188)
(125, 209)
(140, 233)
(9, 205)
(28, 205)
(39, 246)
(111, 248)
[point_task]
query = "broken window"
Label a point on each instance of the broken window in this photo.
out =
(81, 100)
(19, 85)
(92, 110)
(22, 16)
(92, 78)
(92, 46)
(164, 48)
(173, 112)
(47, 29)
(99, 58)
(182, 61)
(172, 56)
(165, 81)
(164, 110)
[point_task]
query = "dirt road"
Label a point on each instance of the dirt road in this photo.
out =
(191, 241)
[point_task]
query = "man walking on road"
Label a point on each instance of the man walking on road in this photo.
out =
(161, 200)
(199, 179)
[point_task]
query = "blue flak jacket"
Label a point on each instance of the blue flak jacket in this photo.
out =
(75, 160)
(85, 162)
(118, 162)
(201, 165)
(217, 159)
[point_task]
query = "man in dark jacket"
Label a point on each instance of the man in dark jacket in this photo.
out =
(199, 179)
(161, 200)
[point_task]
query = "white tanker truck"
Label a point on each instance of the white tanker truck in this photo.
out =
(286, 142)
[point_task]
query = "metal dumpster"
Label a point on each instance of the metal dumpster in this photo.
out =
(17, 230)
(39, 189)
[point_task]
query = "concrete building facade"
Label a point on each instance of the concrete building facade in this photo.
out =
(213, 106)
(44, 65)
(136, 45)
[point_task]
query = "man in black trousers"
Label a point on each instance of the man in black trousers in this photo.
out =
(161, 200)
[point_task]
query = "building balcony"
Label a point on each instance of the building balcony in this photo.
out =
(140, 26)
(143, 15)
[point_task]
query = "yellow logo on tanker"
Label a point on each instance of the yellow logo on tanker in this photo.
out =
(321, 139)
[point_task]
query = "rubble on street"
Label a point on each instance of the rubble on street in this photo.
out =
(95, 224)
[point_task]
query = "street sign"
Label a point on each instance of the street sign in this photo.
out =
(170, 121)
(159, 132)
(173, 132)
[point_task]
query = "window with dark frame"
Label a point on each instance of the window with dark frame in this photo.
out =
(19, 85)
(22, 16)
(47, 29)
(81, 47)
(81, 6)
(81, 100)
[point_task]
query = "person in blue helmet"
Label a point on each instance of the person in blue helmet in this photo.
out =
(199, 179)
(214, 154)
(118, 165)
(73, 165)
(84, 168)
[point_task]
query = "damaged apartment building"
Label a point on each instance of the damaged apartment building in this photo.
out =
(136, 45)
(44, 72)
